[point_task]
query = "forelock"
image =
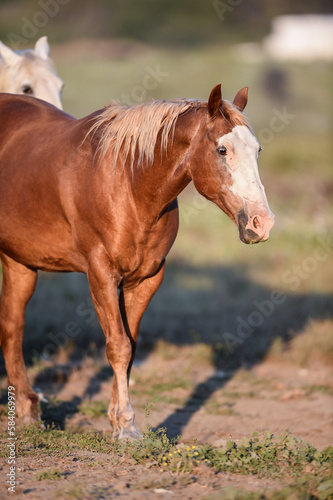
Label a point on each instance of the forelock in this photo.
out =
(233, 115)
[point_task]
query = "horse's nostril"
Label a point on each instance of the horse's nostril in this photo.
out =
(256, 222)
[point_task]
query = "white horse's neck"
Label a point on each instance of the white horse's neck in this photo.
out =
(4, 77)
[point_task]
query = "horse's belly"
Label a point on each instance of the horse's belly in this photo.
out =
(44, 250)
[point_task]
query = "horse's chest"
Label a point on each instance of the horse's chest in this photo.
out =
(148, 252)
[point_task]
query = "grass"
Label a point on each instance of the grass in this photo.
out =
(264, 455)
(314, 345)
(51, 474)
(161, 388)
(215, 407)
(324, 389)
(86, 492)
(93, 409)
(307, 488)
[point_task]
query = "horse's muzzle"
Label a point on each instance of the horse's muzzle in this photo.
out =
(255, 228)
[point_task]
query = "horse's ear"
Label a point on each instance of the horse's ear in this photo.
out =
(240, 100)
(215, 100)
(9, 56)
(42, 47)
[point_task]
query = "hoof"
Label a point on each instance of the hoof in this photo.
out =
(128, 433)
(27, 409)
(28, 419)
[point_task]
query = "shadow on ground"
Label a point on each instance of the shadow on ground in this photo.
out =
(218, 306)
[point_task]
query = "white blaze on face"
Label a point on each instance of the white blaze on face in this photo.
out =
(241, 159)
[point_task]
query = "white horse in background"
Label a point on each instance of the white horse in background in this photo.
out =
(30, 72)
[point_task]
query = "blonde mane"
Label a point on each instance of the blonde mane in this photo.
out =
(134, 129)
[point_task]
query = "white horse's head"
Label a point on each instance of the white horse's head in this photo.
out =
(30, 72)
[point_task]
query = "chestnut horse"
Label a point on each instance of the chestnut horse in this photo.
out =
(99, 196)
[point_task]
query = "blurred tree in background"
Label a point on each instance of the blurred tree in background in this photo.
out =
(160, 22)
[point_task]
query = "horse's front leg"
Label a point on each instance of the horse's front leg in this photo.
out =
(103, 283)
(133, 302)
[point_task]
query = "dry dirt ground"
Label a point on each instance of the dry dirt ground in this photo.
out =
(204, 405)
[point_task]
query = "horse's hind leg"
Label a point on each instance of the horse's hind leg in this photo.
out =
(18, 286)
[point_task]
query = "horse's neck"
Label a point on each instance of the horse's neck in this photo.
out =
(4, 77)
(163, 181)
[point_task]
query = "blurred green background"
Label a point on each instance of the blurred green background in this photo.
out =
(157, 22)
(104, 50)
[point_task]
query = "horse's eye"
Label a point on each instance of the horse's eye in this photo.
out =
(259, 150)
(222, 150)
(26, 89)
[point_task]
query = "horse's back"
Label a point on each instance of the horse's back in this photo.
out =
(20, 110)
(33, 151)
(29, 133)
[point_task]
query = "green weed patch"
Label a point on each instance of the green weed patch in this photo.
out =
(51, 474)
(264, 455)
